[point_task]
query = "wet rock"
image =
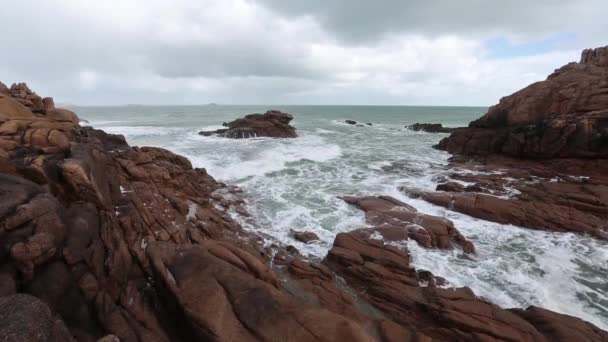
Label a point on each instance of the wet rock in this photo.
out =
(271, 124)
(430, 128)
(394, 220)
(536, 214)
(350, 122)
(420, 311)
(305, 237)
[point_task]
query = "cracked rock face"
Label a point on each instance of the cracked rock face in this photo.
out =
(273, 124)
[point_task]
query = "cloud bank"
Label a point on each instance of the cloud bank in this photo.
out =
(438, 52)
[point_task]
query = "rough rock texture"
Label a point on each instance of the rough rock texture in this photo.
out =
(430, 128)
(395, 220)
(565, 116)
(563, 121)
(25, 318)
(135, 244)
(273, 124)
(417, 310)
(227, 294)
(540, 195)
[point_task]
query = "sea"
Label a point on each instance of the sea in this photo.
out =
(295, 183)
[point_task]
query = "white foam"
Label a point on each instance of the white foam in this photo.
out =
(517, 267)
(260, 156)
(139, 131)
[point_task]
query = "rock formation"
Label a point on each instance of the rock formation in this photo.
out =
(395, 221)
(540, 155)
(273, 124)
(564, 116)
(103, 241)
(430, 128)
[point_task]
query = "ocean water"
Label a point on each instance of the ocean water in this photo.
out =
(294, 184)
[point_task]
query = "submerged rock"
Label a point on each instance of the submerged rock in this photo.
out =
(273, 124)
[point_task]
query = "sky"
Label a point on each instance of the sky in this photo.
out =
(359, 52)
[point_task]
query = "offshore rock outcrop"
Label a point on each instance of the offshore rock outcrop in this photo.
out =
(564, 116)
(430, 128)
(273, 124)
(134, 244)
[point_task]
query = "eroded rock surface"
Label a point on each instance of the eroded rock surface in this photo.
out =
(273, 124)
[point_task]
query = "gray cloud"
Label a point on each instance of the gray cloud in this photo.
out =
(267, 51)
(362, 20)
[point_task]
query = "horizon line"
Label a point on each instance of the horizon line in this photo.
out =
(258, 105)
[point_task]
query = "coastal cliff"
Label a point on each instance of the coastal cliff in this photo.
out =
(101, 240)
(564, 116)
(547, 146)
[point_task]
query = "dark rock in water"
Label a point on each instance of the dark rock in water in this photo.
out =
(305, 237)
(273, 124)
(430, 128)
(350, 122)
(369, 124)
(210, 133)
(564, 116)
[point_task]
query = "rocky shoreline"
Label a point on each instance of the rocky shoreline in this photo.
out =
(101, 240)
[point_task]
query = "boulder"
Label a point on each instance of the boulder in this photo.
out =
(394, 220)
(305, 237)
(273, 124)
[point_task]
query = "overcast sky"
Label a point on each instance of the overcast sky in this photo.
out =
(432, 52)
